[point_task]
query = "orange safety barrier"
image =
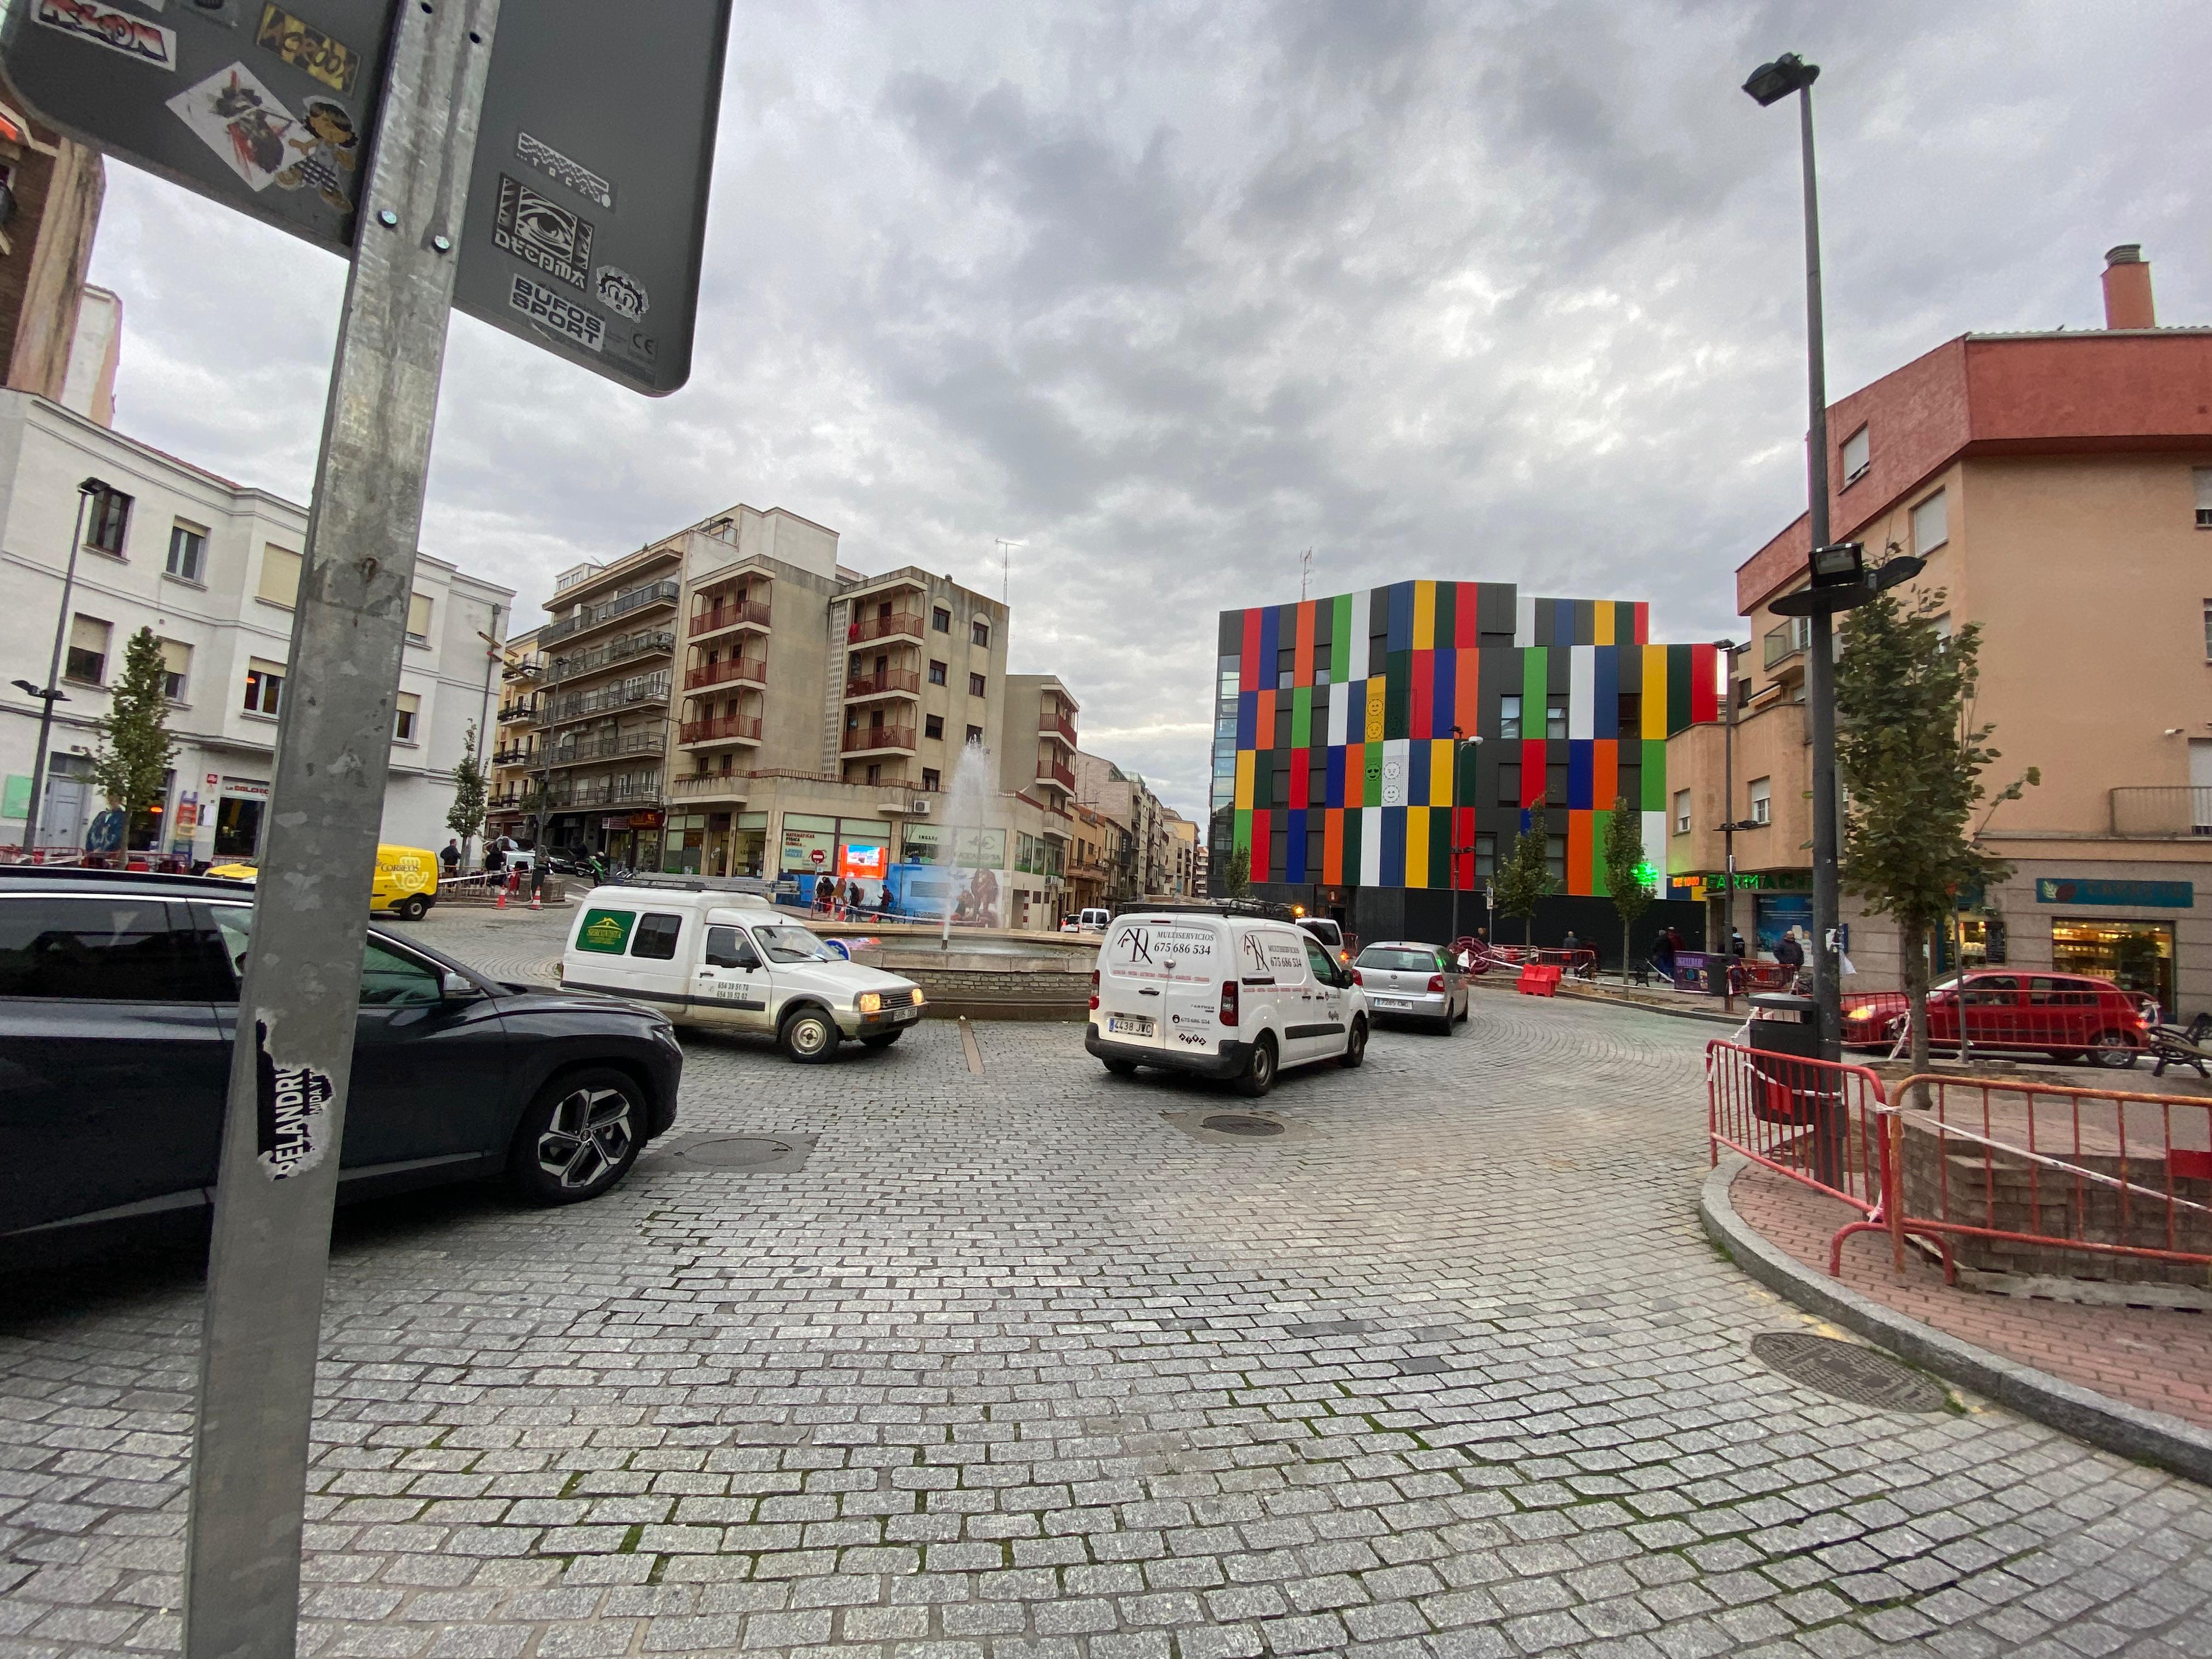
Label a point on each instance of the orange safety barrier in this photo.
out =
(1813, 1122)
(2024, 1170)
(1539, 979)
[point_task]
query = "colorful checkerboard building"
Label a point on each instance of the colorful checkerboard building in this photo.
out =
(1334, 721)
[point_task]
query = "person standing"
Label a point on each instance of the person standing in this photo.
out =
(1789, 954)
(450, 858)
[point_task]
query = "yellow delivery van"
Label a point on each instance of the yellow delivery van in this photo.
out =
(406, 880)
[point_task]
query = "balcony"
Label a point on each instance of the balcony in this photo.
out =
(878, 740)
(523, 709)
(891, 682)
(2171, 812)
(524, 668)
(1057, 725)
(730, 728)
(751, 670)
(514, 754)
(737, 613)
(1787, 641)
(664, 592)
(710, 785)
(581, 705)
(646, 642)
(1054, 773)
(899, 624)
(604, 792)
(602, 749)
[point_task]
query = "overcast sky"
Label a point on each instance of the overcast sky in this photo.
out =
(1171, 292)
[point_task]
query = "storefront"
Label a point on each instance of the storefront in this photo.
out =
(240, 806)
(850, 851)
(2134, 950)
(713, 843)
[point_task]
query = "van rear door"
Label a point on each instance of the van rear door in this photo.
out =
(1133, 980)
(1193, 952)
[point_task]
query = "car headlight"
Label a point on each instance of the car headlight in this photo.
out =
(869, 1002)
(1860, 1014)
(915, 994)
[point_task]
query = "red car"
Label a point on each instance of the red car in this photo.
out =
(2070, 1016)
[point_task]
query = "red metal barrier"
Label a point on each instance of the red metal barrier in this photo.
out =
(2029, 1171)
(1813, 1122)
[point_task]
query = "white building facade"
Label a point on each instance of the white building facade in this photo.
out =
(212, 567)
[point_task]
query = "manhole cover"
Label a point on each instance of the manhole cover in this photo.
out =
(740, 1151)
(1847, 1370)
(1236, 1123)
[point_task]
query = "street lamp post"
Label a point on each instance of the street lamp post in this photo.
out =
(49, 696)
(1729, 649)
(1453, 849)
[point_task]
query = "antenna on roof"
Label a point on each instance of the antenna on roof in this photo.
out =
(1306, 570)
(1006, 570)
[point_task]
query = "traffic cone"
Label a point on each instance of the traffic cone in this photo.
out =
(500, 904)
(534, 904)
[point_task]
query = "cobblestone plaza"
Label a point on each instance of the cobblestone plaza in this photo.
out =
(1016, 1363)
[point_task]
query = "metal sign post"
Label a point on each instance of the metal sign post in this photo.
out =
(286, 1115)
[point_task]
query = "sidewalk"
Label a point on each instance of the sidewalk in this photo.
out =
(2154, 1359)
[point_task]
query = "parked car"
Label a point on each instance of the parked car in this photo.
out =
(1224, 997)
(118, 1005)
(1331, 935)
(1407, 979)
(2068, 1017)
(716, 954)
(406, 883)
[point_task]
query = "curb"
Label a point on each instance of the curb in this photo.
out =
(2147, 1437)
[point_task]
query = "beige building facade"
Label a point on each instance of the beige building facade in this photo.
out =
(2059, 487)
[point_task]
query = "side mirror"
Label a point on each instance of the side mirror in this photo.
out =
(457, 988)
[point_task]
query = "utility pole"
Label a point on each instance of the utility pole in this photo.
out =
(51, 695)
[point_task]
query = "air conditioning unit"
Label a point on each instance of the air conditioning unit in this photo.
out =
(919, 807)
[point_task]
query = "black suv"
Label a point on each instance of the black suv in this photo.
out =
(119, 1004)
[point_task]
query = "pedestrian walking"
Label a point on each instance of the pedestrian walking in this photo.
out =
(1789, 954)
(450, 858)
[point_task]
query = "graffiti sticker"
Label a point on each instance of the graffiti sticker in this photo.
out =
(543, 305)
(293, 1127)
(539, 231)
(538, 154)
(107, 25)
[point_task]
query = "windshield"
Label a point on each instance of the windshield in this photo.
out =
(792, 944)
(1399, 961)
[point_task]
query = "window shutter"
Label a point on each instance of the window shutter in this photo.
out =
(280, 576)
(176, 657)
(88, 634)
(2203, 474)
(1931, 524)
(418, 615)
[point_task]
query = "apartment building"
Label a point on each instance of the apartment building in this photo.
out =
(1142, 865)
(733, 699)
(1182, 853)
(2059, 486)
(213, 566)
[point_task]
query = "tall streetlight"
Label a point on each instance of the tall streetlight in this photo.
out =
(1730, 824)
(1453, 849)
(49, 696)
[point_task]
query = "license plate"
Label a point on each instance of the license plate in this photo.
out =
(1132, 1025)
(1392, 1002)
(898, 1014)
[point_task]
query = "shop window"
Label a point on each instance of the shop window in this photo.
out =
(187, 551)
(86, 660)
(2137, 955)
(108, 521)
(1762, 800)
(1931, 525)
(1508, 718)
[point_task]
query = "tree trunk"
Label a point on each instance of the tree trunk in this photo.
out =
(1624, 928)
(1528, 931)
(1913, 955)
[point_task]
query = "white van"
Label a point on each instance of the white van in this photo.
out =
(1223, 996)
(727, 959)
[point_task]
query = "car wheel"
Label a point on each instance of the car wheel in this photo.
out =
(1466, 1010)
(1120, 1067)
(1447, 1025)
(882, 1039)
(1355, 1046)
(2113, 1051)
(414, 907)
(578, 1137)
(809, 1037)
(1259, 1073)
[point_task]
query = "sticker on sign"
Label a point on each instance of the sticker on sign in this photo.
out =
(543, 305)
(113, 28)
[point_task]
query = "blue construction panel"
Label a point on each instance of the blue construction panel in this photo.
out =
(1294, 848)
(1248, 715)
(1336, 775)
(1582, 760)
(1605, 719)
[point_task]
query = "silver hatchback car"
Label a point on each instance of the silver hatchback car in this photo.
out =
(1409, 979)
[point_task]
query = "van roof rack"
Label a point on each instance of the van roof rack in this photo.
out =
(1258, 909)
(750, 886)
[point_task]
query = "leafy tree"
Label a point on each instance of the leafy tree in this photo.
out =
(1624, 871)
(466, 817)
(1525, 875)
(135, 750)
(1912, 757)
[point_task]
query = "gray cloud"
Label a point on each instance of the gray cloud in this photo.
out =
(1171, 292)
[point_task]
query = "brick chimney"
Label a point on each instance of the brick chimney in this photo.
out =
(2127, 288)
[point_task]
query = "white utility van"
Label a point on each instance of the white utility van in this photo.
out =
(1223, 996)
(725, 958)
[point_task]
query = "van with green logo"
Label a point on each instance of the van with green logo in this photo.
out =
(716, 955)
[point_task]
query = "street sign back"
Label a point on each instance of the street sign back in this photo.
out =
(265, 107)
(586, 222)
(586, 217)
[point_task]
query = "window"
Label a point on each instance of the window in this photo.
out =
(176, 668)
(418, 618)
(2207, 630)
(87, 650)
(1508, 717)
(1942, 626)
(1555, 716)
(1555, 857)
(1931, 525)
(264, 686)
(979, 633)
(390, 980)
(1682, 811)
(936, 673)
(2202, 477)
(1508, 784)
(97, 950)
(875, 771)
(655, 937)
(975, 685)
(107, 521)
(1857, 457)
(403, 713)
(975, 736)
(280, 576)
(1287, 667)
(1762, 800)
(187, 552)
(932, 726)
(1485, 853)
(1629, 714)
(1322, 662)
(931, 779)
(1787, 641)
(940, 619)
(1555, 784)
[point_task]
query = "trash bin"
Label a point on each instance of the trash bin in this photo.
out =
(1794, 1088)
